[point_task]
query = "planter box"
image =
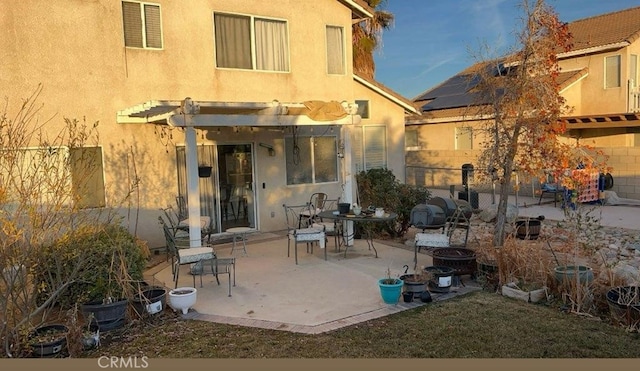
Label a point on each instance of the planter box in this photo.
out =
(510, 290)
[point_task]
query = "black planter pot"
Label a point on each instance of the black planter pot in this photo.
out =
(407, 296)
(51, 347)
(204, 171)
(149, 301)
(624, 309)
(413, 287)
(106, 316)
(488, 272)
(425, 297)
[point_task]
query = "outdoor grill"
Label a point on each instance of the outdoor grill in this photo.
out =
(426, 216)
(449, 206)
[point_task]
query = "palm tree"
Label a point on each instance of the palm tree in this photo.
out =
(367, 37)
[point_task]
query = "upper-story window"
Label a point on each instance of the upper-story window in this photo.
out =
(464, 138)
(251, 43)
(335, 50)
(142, 25)
(612, 71)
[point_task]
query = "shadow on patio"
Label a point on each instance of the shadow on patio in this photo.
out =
(315, 296)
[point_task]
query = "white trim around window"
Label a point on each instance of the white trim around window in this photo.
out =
(249, 42)
(311, 159)
(612, 71)
(370, 147)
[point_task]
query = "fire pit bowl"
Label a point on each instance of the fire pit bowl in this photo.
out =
(462, 260)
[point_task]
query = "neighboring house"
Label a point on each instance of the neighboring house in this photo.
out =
(275, 109)
(599, 79)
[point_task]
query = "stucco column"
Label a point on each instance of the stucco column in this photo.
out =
(348, 182)
(193, 192)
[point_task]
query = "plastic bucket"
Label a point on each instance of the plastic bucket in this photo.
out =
(441, 278)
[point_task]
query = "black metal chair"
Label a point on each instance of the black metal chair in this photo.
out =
(308, 235)
(332, 227)
(182, 254)
(316, 204)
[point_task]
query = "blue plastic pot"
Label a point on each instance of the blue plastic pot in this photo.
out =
(391, 292)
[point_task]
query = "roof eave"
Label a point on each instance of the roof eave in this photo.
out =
(594, 49)
(407, 106)
(359, 8)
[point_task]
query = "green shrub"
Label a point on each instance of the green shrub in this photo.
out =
(103, 261)
(380, 188)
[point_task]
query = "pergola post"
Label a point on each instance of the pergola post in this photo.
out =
(193, 193)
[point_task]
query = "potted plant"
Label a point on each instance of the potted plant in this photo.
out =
(49, 340)
(415, 283)
(624, 305)
(523, 270)
(390, 288)
(573, 275)
(182, 298)
(204, 171)
(107, 260)
(487, 266)
(149, 300)
(440, 278)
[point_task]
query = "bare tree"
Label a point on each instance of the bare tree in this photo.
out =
(45, 173)
(521, 95)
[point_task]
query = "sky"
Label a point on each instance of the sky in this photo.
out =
(432, 40)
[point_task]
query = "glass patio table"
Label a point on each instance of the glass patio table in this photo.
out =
(365, 220)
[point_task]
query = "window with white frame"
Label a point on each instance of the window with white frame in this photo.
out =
(311, 159)
(335, 50)
(411, 142)
(464, 138)
(142, 25)
(369, 147)
(48, 170)
(612, 71)
(251, 43)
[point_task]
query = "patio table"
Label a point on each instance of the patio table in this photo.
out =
(365, 220)
(240, 233)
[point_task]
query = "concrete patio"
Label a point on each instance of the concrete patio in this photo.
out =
(312, 297)
(316, 296)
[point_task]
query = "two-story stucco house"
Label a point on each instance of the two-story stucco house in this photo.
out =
(599, 80)
(275, 109)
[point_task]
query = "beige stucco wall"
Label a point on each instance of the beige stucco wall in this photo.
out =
(589, 96)
(75, 49)
(438, 164)
(438, 153)
(585, 97)
(384, 111)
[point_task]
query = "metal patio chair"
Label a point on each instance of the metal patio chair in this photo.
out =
(308, 235)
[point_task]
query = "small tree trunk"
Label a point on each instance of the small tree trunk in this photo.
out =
(501, 217)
